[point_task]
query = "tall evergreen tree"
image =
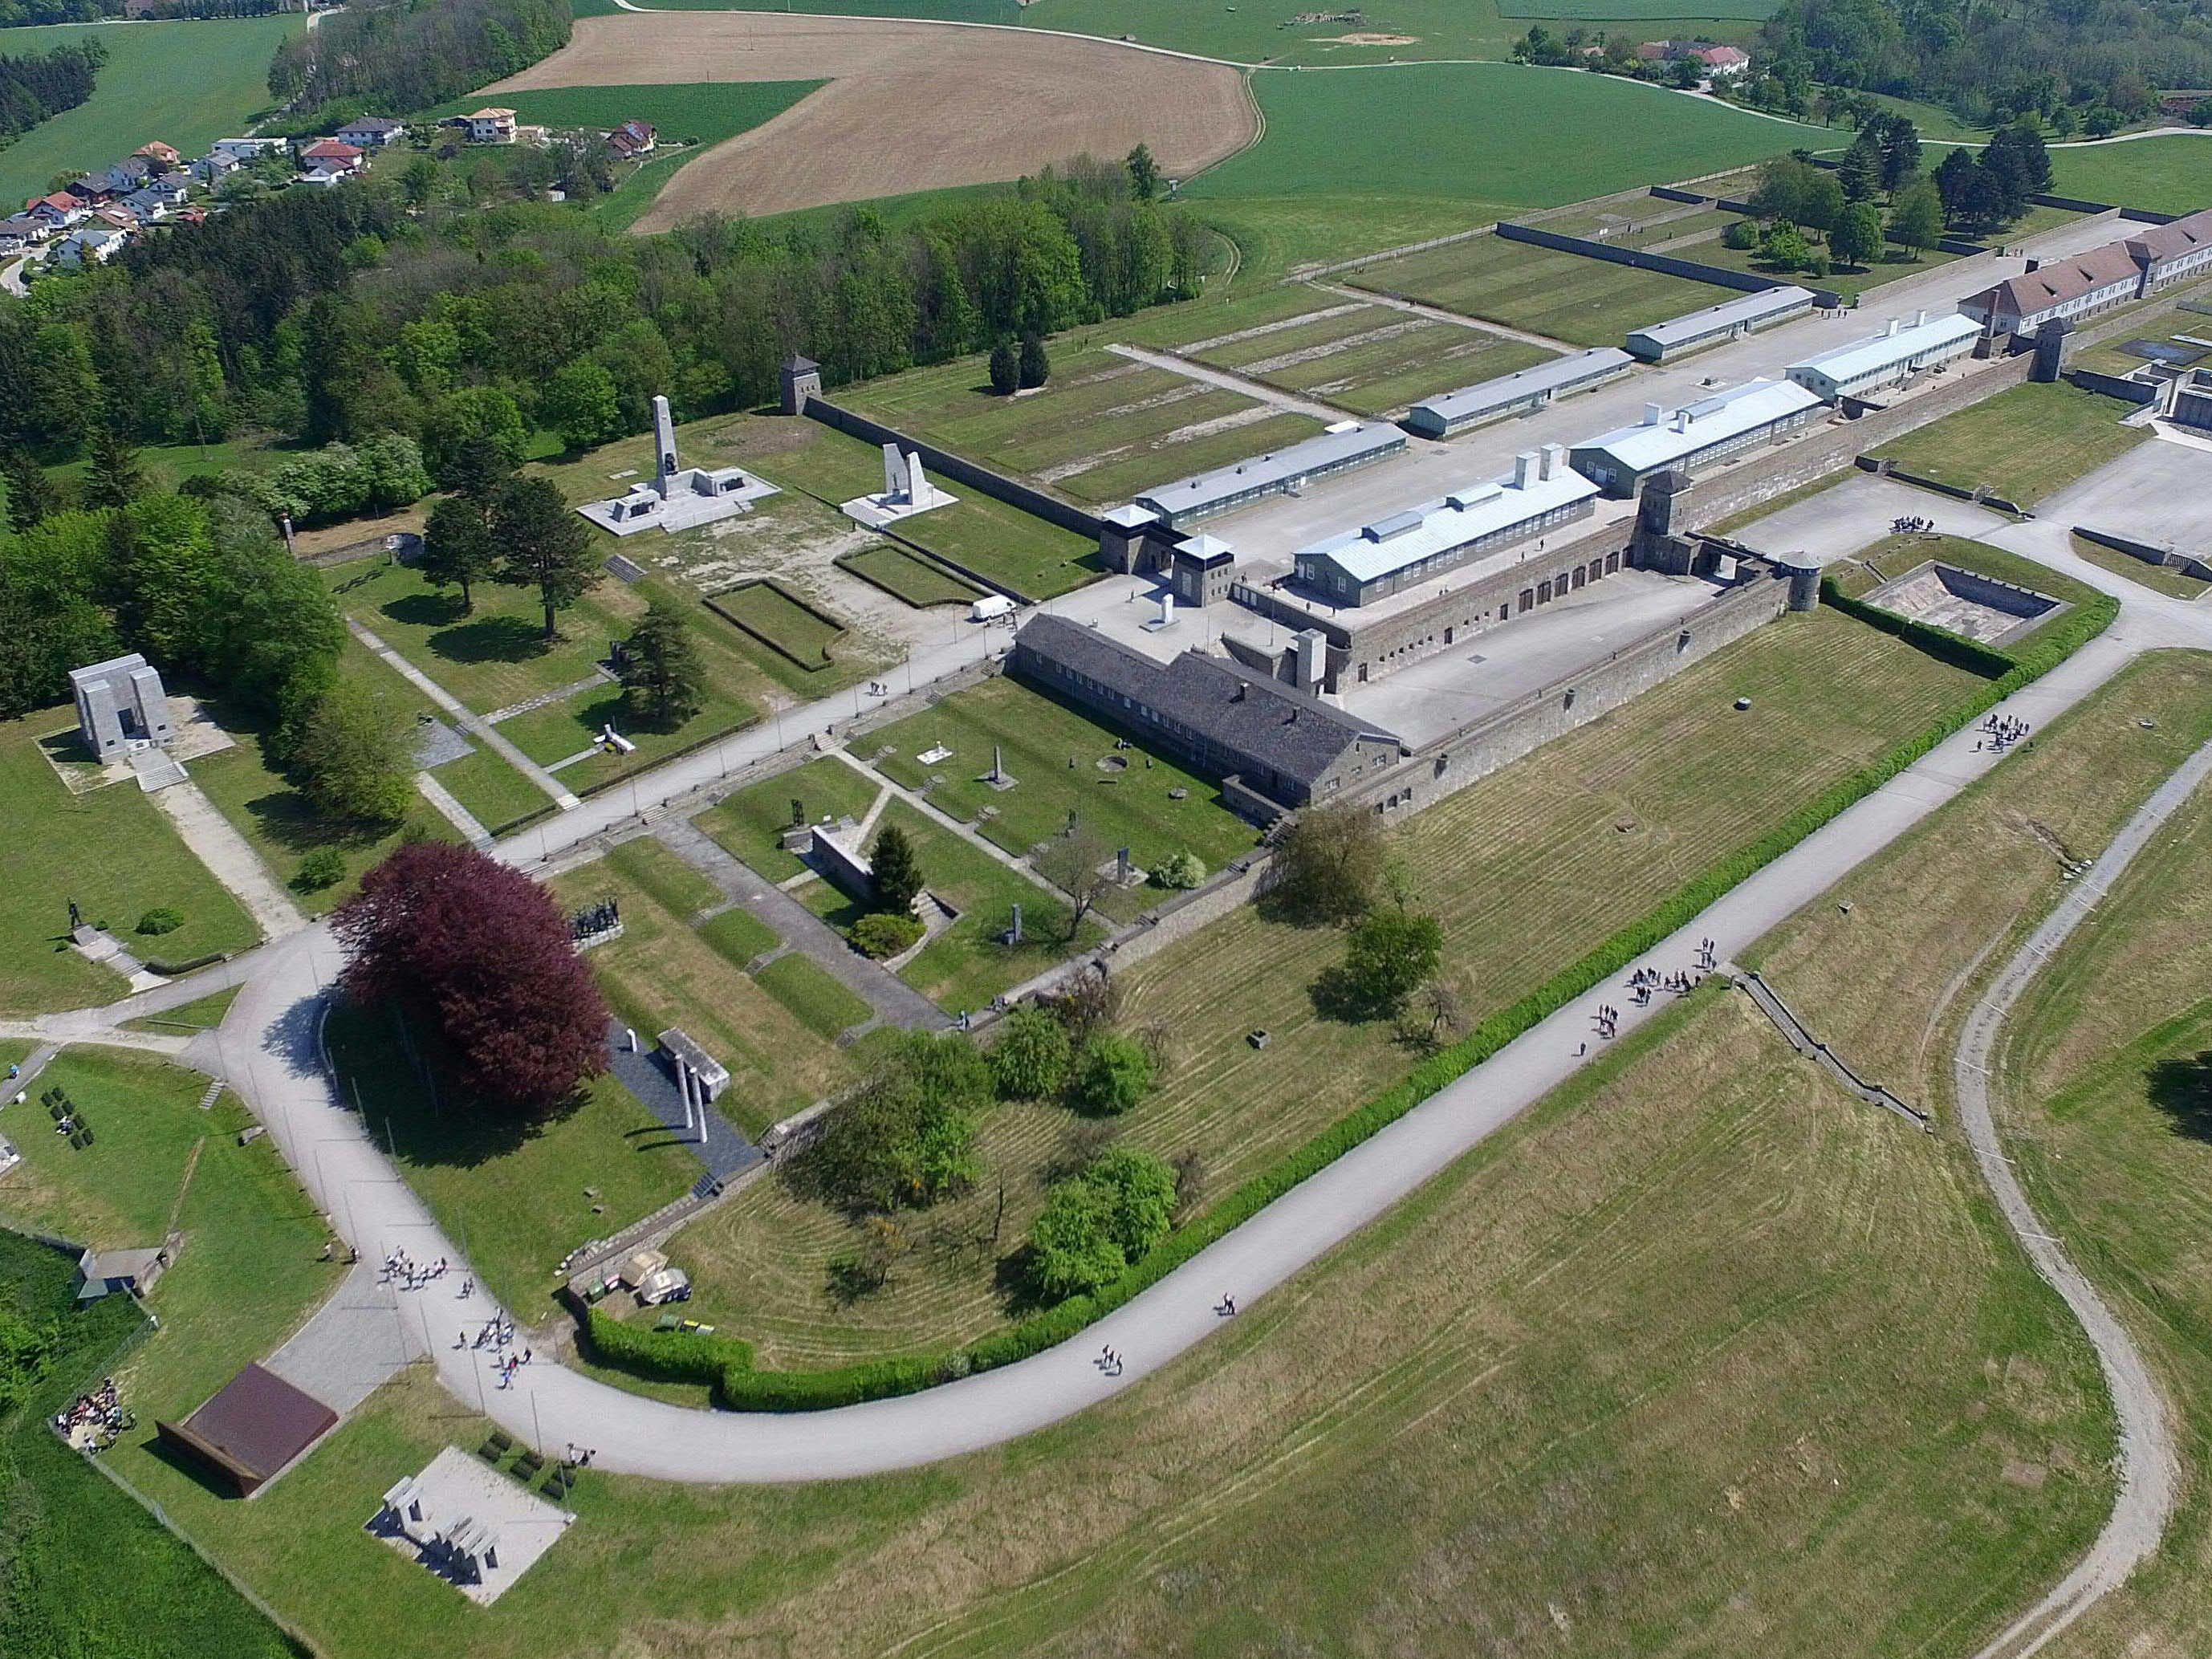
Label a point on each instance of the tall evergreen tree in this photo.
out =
(664, 678)
(542, 544)
(895, 869)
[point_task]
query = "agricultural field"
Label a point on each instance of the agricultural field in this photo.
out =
(670, 969)
(111, 851)
(524, 1194)
(1121, 793)
(1527, 870)
(686, 120)
(1100, 429)
(2023, 444)
(1371, 360)
(977, 531)
(932, 102)
(1563, 297)
(186, 83)
(1468, 124)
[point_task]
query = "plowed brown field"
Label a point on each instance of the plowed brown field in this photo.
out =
(908, 106)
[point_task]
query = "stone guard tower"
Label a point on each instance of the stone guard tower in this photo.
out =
(802, 378)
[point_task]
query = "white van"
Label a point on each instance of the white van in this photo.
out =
(990, 608)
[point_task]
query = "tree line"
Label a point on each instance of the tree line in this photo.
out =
(33, 88)
(2075, 65)
(397, 58)
(342, 316)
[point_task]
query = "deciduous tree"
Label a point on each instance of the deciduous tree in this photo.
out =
(1329, 866)
(1078, 862)
(1030, 1058)
(354, 763)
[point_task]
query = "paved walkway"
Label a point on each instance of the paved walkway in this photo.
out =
(894, 1001)
(455, 814)
(230, 857)
(475, 724)
(2150, 1469)
(1258, 391)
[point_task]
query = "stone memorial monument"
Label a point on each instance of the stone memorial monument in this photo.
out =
(121, 706)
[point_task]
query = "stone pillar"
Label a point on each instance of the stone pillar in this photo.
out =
(664, 445)
(893, 486)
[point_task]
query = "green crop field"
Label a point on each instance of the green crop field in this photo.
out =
(1586, 302)
(2023, 443)
(187, 84)
(1638, 11)
(1373, 360)
(687, 118)
(1527, 869)
(1123, 794)
(1102, 428)
(1469, 125)
(908, 577)
(111, 851)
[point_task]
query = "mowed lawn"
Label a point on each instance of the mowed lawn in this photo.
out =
(748, 824)
(668, 970)
(1373, 360)
(908, 577)
(2024, 443)
(1062, 763)
(523, 1195)
(1563, 297)
(187, 84)
(976, 532)
(2171, 174)
(1527, 869)
(111, 851)
(1100, 429)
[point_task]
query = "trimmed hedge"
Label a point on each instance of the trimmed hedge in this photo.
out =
(665, 1356)
(740, 1387)
(190, 964)
(1940, 643)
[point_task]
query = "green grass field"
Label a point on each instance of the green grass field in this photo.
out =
(1372, 359)
(908, 577)
(804, 635)
(1894, 264)
(1129, 805)
(1895, 555)
(821, 1005)
(2023, 444)
(749, 822)
(1564, 296)
(1101, 428)
(2158, 578)
(2169, 175)
(1469, 124)
(1527, 869)
(187, 84)
(687, 118)
(519, 1193)
(664, 972)
(111, 851)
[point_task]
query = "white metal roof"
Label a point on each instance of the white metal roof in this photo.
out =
(1569, 370)
(1745, 308)
(1695, 426)
(1869, 356)
(1465, 515)
(1355, 441)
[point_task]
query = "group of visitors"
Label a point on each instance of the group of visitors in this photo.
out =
(399, 1268)
(1911, 527)
(1999, 735)
(92, 1423)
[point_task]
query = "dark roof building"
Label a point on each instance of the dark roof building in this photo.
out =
(252, 1427)
(1263, 738)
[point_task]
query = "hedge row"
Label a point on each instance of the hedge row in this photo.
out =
(1940, 643)
(743, 1388)
(190, 964)
(664, 1355)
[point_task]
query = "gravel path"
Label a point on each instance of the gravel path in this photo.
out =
(2149, 1467)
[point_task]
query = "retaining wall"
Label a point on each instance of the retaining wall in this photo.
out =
(1718, 276)
(2112, 385)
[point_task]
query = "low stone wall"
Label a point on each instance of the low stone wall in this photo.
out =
(2112, 385)
(997, 485)
(1473, 752)
(1718, 276)
(2166, 558)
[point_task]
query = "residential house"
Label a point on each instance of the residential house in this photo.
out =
(372, 132)
(490, 126)
(1723, 63)
(147, 206)
(91, 190)
(167, 155)
(59, 210)
(213, 167)
(20, 233)
(126, 175)
(244, 149)
(631, 140)
(329, 156)
(91, 244)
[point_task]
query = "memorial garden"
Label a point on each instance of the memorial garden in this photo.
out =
(2022, 445)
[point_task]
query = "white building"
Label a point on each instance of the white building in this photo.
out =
(1518, 393)
(490, 126)
(2168, 253)
(1889, 358)
(93, 244)
(1697, 435)
(371, 131)
(1729, 320)
(1408, 549)
(1338, 449)
(2070, 289)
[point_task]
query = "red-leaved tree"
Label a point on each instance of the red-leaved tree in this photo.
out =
(483, 952)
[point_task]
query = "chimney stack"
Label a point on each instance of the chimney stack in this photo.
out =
(1555, 457)
(1524, 469)
(1920, 318)
(1890, 330)
(1652, 413)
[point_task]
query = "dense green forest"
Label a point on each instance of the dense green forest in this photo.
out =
(384, 59)
(2079, 65)
(35, 87)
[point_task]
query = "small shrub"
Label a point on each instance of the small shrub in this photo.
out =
(1029, 1059)
(161, 919)
(323, 867)
(881, 933)
(1179, 871)
(1112, 1074)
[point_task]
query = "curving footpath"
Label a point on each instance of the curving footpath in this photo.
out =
(2149, 1466)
